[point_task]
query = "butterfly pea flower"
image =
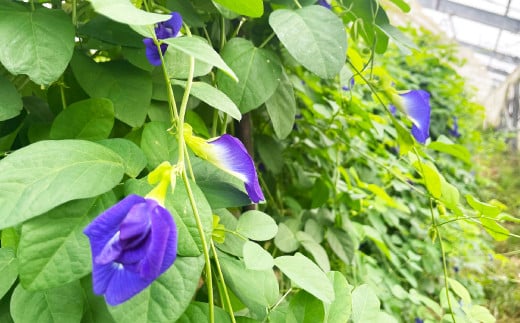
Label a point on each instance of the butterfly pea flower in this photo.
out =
(229, 154)
(324, 3)
(350, 86)
(132, 244)
(454, 130)
(416, 105)
(166, 29)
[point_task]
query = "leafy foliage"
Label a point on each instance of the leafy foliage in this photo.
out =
(361, 223)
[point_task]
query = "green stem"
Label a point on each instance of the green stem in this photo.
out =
(63, 99)
(438, 233)
(235, 32)
(267, 40)
(229, 307)
(222, 32)
(182, 152)
(74, 13)
(209, 279)
(174, 116)
(224, 124)
(297, 4)
(32, 5)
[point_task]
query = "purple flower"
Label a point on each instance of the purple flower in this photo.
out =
(324, 3)
(351, 85)
(132, 244)
(165, 29)
(229, 154)
(416, 104)
(418, 320)
(454, 130)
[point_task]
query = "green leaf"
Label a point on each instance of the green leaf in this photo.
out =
(202, 51)
(232, 244)
(256, 225)
(314, 36)
(178, 64)
(320, 193)
(257, 289)
(166, 298)
(58, 305)
(315, 249)
(285, 239)
(125, 12)
(401, 39)
(281, 107)
(213, 97)
(8, 269)
(128, 87)
(199, 312)
(251, 8)
(256, 257)
(405, 7)
(404, 138)
(340, 309)
(158, 144)
(483, 208)
(53, 249)
(495, 230)
(43, 175)
(258, 71)
(133, 157)
(342, 244)
(365, 305)
(181, 203)
(457, 151)
(40, 42)
(220, 188)
(431, 177)
(306, 308)
(96, 309)
(307, 275)
(90, 119)
(480, 314)
(11, 103)
(460, 290)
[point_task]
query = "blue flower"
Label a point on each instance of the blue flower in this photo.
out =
(132, 244)
(324, 3)
(165, 29)
(229, 154)
(418, 320)
(416, 105)
(454, 130)
(351, 85)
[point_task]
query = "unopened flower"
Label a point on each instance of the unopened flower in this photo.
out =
(165, 29)
(324, 3)
(132, 244)
(416, 105)
(229, 154)
(454, 130)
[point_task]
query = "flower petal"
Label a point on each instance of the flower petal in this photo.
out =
(123, 284)
(417, 106)
(105, 226)
(324, 3)
(169, 28)
(163, 244)
(229, 154)
(151, 52)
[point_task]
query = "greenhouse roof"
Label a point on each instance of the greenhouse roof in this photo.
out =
(490, 28)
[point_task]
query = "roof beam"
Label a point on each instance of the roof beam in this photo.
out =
(491, 53)
(479, 15)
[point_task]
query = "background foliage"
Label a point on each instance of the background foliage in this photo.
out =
(361, 223)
